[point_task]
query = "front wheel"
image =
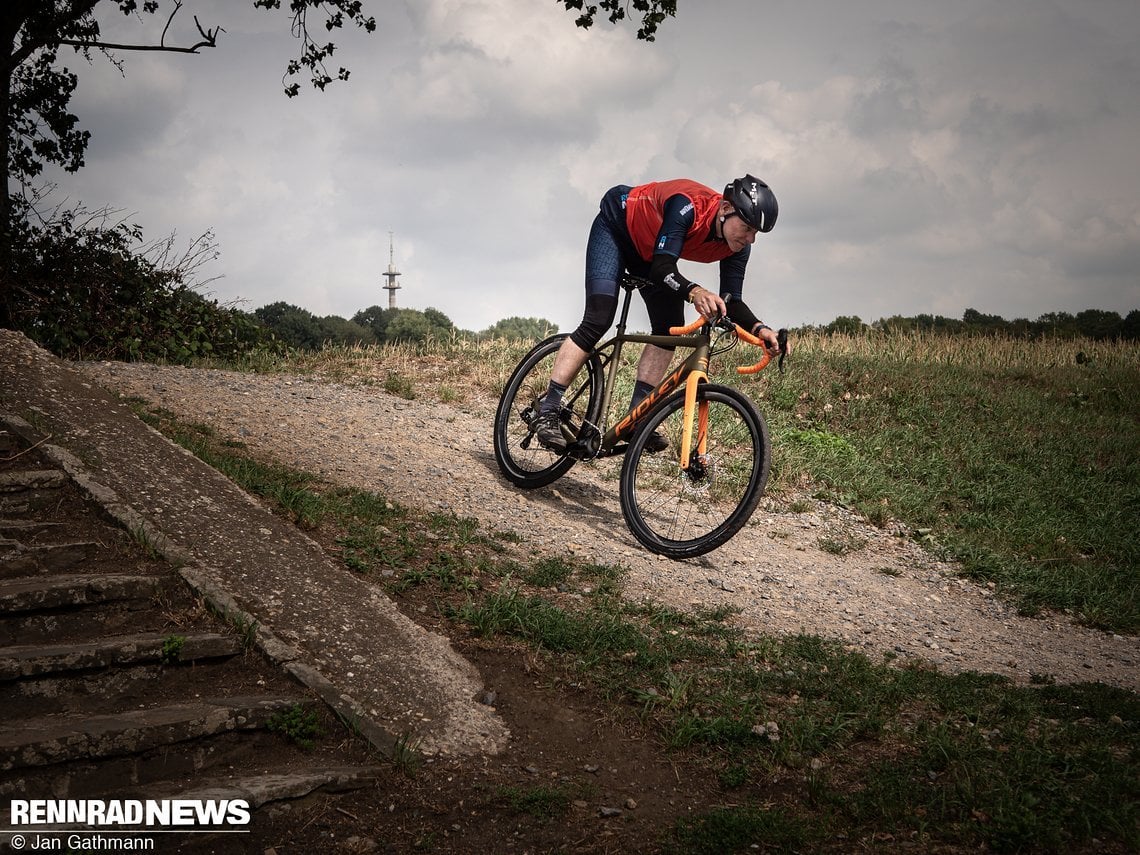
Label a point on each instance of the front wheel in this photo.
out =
(684, 512)
(521, 458)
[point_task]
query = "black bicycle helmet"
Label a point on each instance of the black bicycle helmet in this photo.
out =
(754, 202)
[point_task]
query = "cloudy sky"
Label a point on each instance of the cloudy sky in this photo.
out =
(927, 156)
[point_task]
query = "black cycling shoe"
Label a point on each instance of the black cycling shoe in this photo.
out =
(547, 428)
(655, 442)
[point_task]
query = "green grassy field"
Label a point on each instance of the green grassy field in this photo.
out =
(1012, 457)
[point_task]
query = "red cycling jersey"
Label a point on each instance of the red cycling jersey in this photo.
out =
(643, 218)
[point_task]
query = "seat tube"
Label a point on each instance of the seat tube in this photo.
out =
(615, 359)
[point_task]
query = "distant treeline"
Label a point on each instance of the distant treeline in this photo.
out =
(296, 327)
(1090, 323)
(300, 328)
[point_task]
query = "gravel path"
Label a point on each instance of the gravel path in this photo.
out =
(885, 595)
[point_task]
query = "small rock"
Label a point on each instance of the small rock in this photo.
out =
(607, 812)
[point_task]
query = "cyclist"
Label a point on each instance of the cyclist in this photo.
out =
(645, 230)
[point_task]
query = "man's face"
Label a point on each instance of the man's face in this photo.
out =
(737, 233)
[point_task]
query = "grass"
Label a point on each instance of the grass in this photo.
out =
(1022, 465)
(1023, 468)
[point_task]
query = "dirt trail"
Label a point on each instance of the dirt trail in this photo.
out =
(885, 595)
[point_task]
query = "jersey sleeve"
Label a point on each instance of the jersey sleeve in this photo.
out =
(732, 274)
(678, 217)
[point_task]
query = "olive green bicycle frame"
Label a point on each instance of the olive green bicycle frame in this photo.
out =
(692, 372)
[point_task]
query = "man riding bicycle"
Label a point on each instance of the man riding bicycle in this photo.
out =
(645, 230)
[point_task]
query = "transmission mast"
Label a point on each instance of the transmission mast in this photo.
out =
(391, 275)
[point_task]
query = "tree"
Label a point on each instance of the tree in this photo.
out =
(847, 324)
(292, 325)
(375, 318)
(516, 328)
(412, 325)
(34, 93)
(38, 129)
(977, 321)
(340, 331)
(1099, 324)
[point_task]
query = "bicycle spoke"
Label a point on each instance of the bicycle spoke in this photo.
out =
(520, 456)
(688, 511)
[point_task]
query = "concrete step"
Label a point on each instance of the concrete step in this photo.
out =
(10, 444)
(32, 479)
(102, 691)
(37, 593)
(53, 740)
(18, 559)
(36, 660)
(52, 609)
(28, 490)
(22, 529)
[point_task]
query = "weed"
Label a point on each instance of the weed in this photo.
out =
(549, 572)
(172, 649)
(297, 724)
(402, 387)
(959, 762)
(843, 545)
(406, 756)
(246, 628)
(142, 537)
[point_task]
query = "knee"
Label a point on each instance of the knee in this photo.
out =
(600, 311)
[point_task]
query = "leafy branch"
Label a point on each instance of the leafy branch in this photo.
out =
(653, 13)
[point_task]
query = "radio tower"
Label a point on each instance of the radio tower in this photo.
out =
(391, 275)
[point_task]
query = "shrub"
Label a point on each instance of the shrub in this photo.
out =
(84, 287)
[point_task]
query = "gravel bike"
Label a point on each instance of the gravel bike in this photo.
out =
(681, 502)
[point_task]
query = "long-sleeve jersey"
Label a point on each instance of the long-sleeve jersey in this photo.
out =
(670, 220)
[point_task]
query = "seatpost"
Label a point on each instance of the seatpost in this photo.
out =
(628, 285)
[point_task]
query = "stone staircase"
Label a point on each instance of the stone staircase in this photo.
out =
(117, 682)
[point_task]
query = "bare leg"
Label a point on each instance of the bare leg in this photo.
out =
(652, 365)
(566, 364)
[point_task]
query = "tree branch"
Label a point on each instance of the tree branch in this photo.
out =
(209, 39)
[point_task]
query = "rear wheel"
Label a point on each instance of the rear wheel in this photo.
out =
(682, 513)
(521, 458)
